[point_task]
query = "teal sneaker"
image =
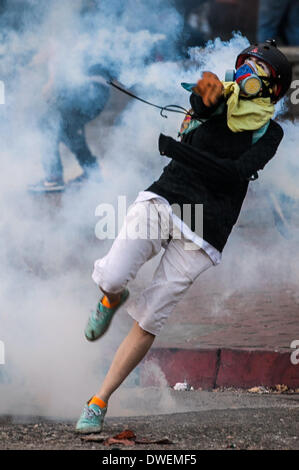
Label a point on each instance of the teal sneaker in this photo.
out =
(91, 419)
(100, 319)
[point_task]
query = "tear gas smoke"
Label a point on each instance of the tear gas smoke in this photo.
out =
(48, 242)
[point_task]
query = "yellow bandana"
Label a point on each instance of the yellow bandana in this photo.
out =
(246, 115)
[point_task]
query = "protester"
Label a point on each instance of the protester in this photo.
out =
(70, 108)
(228, 137)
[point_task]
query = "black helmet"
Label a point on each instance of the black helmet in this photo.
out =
(281, 69)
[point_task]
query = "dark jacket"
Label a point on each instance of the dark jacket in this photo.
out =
(213, 166)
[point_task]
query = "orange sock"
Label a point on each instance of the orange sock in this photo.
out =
(97, 401)
(108, 304)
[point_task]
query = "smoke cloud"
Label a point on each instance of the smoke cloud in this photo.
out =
(48, 242)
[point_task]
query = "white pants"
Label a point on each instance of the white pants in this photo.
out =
(180, 264)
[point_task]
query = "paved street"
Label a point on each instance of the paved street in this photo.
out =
(230, 419)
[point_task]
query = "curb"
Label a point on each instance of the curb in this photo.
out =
(212, 368)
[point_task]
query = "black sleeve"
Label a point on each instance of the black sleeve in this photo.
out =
(200, 109)
(225, 171)
(260, 153)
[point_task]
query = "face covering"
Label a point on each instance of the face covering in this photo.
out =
(247, 77)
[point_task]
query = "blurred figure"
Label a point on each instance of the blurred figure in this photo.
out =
(279, 19)
(70, 108)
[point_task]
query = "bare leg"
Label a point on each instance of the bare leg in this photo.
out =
(131, 351)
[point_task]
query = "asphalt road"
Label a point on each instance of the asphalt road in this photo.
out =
(216, 420)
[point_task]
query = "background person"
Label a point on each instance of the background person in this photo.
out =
(279, 19)
(70, 108)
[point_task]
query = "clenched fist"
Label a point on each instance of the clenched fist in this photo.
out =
(210, 88)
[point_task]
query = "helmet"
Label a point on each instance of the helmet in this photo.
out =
(281, 70)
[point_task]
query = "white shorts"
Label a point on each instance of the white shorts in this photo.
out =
(180, 264)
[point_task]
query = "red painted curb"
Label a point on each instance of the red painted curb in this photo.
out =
(210, 368)
(248, 368)
(197, 367)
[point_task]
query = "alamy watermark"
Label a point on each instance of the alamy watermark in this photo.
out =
(294, 97)
(151, 219)
(2, 353)
(295, 354)
(2, 92)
